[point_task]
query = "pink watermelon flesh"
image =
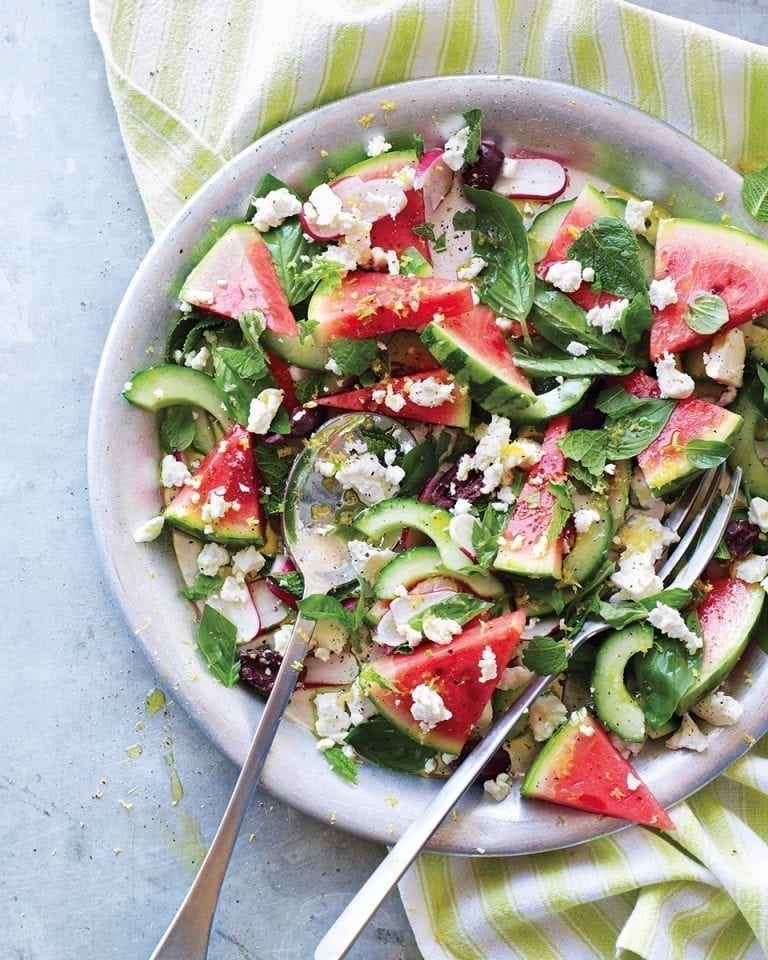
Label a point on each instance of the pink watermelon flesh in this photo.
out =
(707, 258)
(229, 470)
(237, 275)
(452, 671)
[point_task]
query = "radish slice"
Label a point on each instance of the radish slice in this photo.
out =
(270, 608)
(460, 530)
(403, 609)
(282, 564)
(542, 628)
(537, 178)
(434, 177)
(338, 670)
(241, 613)
(366, 200)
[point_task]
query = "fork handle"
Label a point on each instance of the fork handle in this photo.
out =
(350, 924)
(190, 930)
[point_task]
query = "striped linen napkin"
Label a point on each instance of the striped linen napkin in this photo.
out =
(194, 83)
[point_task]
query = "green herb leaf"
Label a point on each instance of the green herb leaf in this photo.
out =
(267, 184)
(754, 194)
(706, 314)
(418, 145)
(425, 230)
(635, 321)
(552, 363)
(177, 428)
(273, 470)
(306, 328)
(545, 655)
(248, 363)
(353, 356)
(441, 243)
(485, 536)
(587, 447)
(507, 282)
(663, 675)
(610, 248)
(292, 582)
(464, 220)
(253, 323)
(705, 454)
(369, 676)
(634, 611)
(318, 607)
(202, 587)
(217, 642)
(308, 388)
(378, 441)
(474, 120)
(550, 595)
(381, 742)
(558, 319)
(422, 462)
(193, 337)
(461, 607)
(561, 510)
(341, 764)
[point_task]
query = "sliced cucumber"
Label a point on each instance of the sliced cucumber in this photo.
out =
(547, 405)
(545, 226)
(418, 563)
(169, 385)
(745, 453)
(402, 512)
(590, 547)
(618, 492)
(307, 353)
(615, 705)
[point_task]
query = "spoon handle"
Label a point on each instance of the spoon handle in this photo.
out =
(187, 936)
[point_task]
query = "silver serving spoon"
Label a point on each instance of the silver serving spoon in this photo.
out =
(320, 553)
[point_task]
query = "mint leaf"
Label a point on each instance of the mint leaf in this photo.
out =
(636, 320)
(192, 339)
(309, 387)
(381, 742)
(422, 462)
(545, 655)
(754, 194)
(341, 764)
(202, 587)
(562, 508)
(177, 428)
(248, 363)
(485, 536)
(474, 120)
(292, 582)
(425, 230)
(353, 356)
(587, 447)
(273, 471)
(369, 675)
(706, 314)
(506, 284)
(461, 607)
(441, 243)
(705, 454)
(306, 328)
(464, 220)
(217, 643)
(377, 441)
(610, 248)
(253, 323)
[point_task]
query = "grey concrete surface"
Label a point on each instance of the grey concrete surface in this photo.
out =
(105, 809)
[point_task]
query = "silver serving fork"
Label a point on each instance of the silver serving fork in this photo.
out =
(685, 561)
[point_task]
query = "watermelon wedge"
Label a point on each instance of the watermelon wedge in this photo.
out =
(388, 395)
(372, 304)
(580, 767)
(527, 547)
(222, 501)
(452, 671)
(707, 258)
(664, 462)
(236, 275)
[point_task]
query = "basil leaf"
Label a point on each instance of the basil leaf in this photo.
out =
(202, 587)
(422, 462)
(615, 402)
(353, 356)
(216, 641)
(461, 607)
(506, 284)
(464, 220)
(318, 607)
(381, 742)
(177, 428)
(558, 319)
(473, 119)
(706, 314)
(247, 363)
(631, 434)
(610, 248)
(663, 675)
(622, 614)
(292, 582)
(754, 194)
(545, 655)
(554, 364)
(587, 447)
(636, 320)
(341, 764)
(267, 184)
(705, 454)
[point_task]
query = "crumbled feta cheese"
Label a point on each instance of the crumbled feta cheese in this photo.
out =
(332, 367)
(324, 209)
(332, 720)
(636, 576)
(687, 737)
(608, 316)
(512, 677)
(393, 266)
(326, 468)
(718, 709)
(428, 708)
(636, 213)
(496, 454)
(247, 561)
(386, 396)
(625, 748)
(282, 637)
(724, 362)
(644, 539)
(272, 209)
(197, 360)
(565, 275)
(547, 713)
(453, 153)
(470, 270)
(758, 513)
(751, 569)
(367, 560)
(662, 292)
(430, 392)
(576, 349)
(149, 530)
(489, 669)
(670, 622)
(371, 480)
(377, 145)
(202, 298)
(439, 629)
(233, 591)
(215, 507)
(173, 472)
(584, 518)
(211, 559)
(344, 255)
(263, 409)
(410, 634)
(498, 788)
(505, 181)
(359, 706)
(588, 275)
(461, 506)
(673, 383)
(633, 782)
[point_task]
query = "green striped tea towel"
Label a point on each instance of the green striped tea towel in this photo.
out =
(195, 82)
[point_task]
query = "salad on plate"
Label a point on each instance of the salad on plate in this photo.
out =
(568, 359)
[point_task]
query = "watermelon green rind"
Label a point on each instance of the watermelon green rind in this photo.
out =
(745, 453)
(385, 165)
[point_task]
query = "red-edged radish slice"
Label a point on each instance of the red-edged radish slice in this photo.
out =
(434, 178)
(537, 178)
(461, 529)
(282, 564)
(270, 608)
(241, 613)
(542, 628)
